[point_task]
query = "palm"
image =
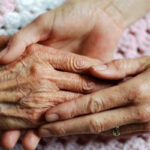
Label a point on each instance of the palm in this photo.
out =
(91, 32)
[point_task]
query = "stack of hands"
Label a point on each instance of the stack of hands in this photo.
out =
(48, 85)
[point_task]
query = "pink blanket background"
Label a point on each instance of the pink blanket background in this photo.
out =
(135, 42)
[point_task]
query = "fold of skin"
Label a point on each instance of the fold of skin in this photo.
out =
(33, 84)
(3, 41)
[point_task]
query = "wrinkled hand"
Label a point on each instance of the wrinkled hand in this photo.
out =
(126, 105)
(79, 26)
(37, 81)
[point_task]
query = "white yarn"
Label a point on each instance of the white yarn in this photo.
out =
(25, 12)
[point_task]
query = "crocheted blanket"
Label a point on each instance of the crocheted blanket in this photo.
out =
(135, 42)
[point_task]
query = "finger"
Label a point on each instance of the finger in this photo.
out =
(76, 83)
(24, 117)
(30, 140)
(73, 82)
(131, 129)
(96, 102)
(118, 69)
(13, 96)
(48, 99)
(94, 124)
(4, 41)
(65, 61)
(38, 30)
(10, 138)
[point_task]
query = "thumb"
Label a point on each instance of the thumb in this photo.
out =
(3, 41)
(119, 69)
(37, 31)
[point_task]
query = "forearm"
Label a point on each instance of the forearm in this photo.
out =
(125, 12)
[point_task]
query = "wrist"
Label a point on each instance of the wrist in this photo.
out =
(125, 12)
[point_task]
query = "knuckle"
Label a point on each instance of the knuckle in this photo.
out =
(36, 71)
(88, 85)
(67, 113)
(137, 91)
(58, 130)
(34, 114)
(143, 114)
(95, 104)
(95, 126)
(40, 71)
(77, 64)
(32, 49)
(120, 66)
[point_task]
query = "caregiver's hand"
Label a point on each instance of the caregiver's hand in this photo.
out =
(80, 26)
(127, 104)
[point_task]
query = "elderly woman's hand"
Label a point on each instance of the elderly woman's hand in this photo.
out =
(80, 26)
(126, 105)
(40, 79)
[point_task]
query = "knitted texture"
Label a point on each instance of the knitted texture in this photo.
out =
(135, 42)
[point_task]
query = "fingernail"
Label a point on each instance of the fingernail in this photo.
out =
(52, 117)
(45, 133)
(100, 68)
(3, 52)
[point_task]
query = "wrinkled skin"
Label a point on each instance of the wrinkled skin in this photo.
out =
(128, 103)
(87, 30)
(35, 82)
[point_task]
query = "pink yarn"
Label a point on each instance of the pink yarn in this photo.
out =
(6, 6)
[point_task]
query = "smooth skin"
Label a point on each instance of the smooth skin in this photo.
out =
(65, 32)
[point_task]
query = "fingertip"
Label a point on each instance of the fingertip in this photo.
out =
(30, 140)
(105, 72)
(3, 53)
(15, 48)
(10, 138)
(99, 71)
(9, 55)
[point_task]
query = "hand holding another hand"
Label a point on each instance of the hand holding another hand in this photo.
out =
(126, 105)
(41, 78)
(38, 80)
(82, 27)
